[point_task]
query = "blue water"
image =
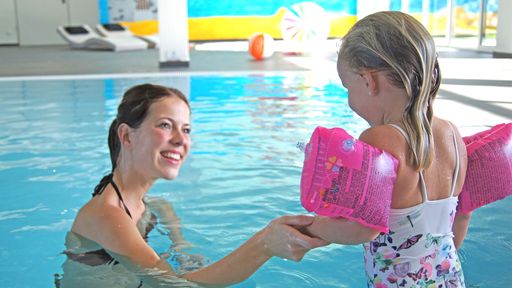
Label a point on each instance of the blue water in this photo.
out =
(244, 170)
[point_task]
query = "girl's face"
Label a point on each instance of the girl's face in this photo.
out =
(162, 142)
(358, 93)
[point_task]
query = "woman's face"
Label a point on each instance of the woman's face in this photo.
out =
(162, 142)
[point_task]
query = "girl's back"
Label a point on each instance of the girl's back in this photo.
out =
(419, 248)
(438, 177)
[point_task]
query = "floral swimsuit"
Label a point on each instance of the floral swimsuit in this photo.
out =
(418, 251)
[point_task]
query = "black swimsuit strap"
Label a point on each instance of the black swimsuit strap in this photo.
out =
(92, 258)
(120, 197)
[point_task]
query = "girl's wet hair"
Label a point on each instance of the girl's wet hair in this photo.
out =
(132, 111)
(399, 45)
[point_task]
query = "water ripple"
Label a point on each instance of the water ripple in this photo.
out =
(283, 276)
(20, 213)
(61, 225)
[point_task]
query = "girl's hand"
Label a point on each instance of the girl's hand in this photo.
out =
(282, 237)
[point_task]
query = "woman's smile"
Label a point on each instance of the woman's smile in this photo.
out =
(172, 157)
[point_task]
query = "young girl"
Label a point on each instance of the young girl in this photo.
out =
(148, 140)
(388, 64)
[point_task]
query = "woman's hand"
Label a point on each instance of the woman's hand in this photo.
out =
(282, 237)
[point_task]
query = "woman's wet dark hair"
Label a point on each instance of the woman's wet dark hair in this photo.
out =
(132, 111)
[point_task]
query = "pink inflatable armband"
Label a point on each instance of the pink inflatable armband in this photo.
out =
(345, 177)
(489, 172)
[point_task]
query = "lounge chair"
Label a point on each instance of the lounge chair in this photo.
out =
(83, 37)
(118, 30)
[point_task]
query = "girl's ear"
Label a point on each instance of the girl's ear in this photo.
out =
(124, 132)
(371, 81)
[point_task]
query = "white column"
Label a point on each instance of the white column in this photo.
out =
(425, 8)
(450, 17)
(405, 6)
(504, 30)
(8, 29)
(367, 7)
(173, 33)
(181, 83)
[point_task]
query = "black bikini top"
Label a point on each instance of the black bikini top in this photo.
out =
(120, 197)
(101, 256)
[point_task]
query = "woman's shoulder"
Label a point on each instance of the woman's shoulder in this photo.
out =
(108, 225)
(97, 215)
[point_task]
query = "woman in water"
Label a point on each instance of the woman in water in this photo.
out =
(148, 140)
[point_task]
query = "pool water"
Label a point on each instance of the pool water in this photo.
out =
(244, 170)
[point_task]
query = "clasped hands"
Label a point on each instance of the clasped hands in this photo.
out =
(285, 237)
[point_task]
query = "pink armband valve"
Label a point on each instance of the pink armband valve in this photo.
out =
(345, 177)
(489, 171)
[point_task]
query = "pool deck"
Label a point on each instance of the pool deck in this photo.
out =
(476, 90)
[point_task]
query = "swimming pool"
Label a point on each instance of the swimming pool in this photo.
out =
(244, 170)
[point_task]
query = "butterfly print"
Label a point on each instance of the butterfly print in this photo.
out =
(446, 251)
(452, 283)
(438, 266)
(443, 268)
(416, 276)
(386, 267)
(433, 240)
(409, 242)
(424, 260)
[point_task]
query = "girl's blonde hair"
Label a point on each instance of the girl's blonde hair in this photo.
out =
(399, 45)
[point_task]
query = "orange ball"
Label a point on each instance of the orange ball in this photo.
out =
(261, 45)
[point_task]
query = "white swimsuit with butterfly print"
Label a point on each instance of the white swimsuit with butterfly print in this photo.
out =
(418, 251)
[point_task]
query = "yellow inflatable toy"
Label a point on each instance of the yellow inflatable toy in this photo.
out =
(239, 27)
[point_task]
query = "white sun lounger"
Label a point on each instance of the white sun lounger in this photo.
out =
(83, 37)
(153, 40)
(118, 30)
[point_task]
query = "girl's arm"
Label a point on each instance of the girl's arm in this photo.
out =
(460, 228)
(341, 231)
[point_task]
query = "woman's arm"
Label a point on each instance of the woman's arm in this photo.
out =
(170, 225)
(280, 238)
(169, 220)
(117, 233)
(340, 231)
(460, 228)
